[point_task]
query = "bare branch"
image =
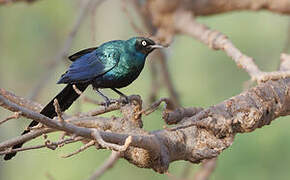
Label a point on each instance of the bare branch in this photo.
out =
(198, 134)
(24, 138)
(58, 111)
(16, 115)
(79, 92)
(81, 149)
(186, 24)
(201, 136)
(207, 168)
(168, 106)
(21, 101)
(80, 131)
(211, 7)
(115, 147)
(109, 163)
(48, 144)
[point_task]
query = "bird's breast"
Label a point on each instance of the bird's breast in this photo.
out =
(120, 76)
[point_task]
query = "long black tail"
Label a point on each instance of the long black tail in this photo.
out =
(65, 99)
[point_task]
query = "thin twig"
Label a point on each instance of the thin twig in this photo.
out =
(186, 24)
(115, 147)
(48, 144)
(16, 115)
(79, 92)
(25, 137)
(61, 137)
(36, 107)
(206, 170)
(81, 149)
(58, 111)
(109, 163)
(168, 105)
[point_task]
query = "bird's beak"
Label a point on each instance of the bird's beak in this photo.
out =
(156, 46)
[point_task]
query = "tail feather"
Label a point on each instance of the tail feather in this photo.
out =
(65, 99)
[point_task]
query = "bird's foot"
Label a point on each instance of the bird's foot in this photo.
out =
(125, 99)
(122, 100)
(108, 102)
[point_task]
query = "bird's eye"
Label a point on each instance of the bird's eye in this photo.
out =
(144, 43)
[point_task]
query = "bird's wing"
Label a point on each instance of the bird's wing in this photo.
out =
(90, 66)
(79, 54)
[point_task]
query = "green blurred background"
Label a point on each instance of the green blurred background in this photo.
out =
(31, 35)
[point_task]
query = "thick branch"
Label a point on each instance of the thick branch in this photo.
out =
(200, 133)
(201, 136)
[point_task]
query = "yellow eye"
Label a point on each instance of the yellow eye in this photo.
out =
(144, 43)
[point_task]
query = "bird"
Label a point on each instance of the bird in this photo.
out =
(114, 64)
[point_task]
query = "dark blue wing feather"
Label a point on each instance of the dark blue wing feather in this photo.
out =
(90, 66)
(79, 54)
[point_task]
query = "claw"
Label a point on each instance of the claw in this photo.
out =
(107, 103)
(107, 100)
(125, 99)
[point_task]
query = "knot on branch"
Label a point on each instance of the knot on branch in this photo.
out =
(131, 111)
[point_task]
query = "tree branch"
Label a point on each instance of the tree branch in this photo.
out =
(109, 163)
(197, 134)
(201, 136)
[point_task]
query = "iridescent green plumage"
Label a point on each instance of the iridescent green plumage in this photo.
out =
(114, 64)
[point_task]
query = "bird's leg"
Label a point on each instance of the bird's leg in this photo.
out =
(121, 94)
(107, 100)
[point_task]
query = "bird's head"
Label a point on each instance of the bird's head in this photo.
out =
(144, 45)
